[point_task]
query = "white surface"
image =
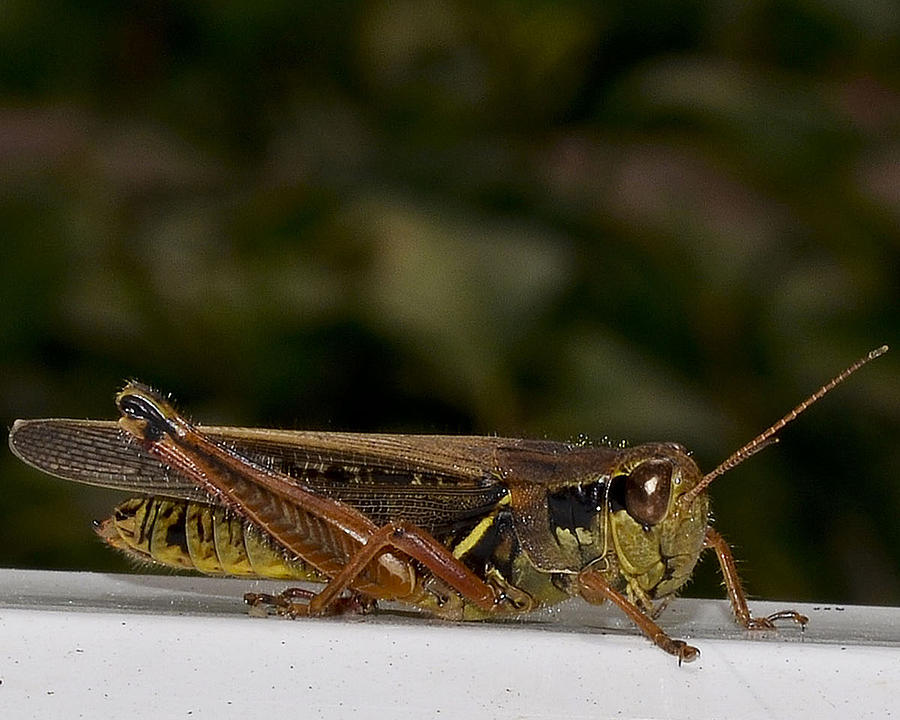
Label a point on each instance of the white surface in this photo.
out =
(101, 646)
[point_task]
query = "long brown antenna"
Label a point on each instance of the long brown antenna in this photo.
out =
(768, 437)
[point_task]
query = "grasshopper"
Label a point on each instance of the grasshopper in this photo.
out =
(464, 527)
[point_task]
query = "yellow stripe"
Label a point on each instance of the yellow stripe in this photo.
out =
(471, 540)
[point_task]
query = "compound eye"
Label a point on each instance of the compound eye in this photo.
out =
(647, 491)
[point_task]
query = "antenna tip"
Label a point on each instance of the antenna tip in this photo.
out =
(878, 352)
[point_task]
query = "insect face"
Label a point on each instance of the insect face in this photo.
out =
(656, 538)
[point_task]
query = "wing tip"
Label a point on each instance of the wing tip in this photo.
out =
(16, 428)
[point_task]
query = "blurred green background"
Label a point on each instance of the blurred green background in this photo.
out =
(642, 220)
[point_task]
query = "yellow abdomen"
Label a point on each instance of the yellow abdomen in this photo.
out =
(194, 536)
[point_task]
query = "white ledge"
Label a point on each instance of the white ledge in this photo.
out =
(91, 645)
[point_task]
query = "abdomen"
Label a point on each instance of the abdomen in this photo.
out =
(189, 535)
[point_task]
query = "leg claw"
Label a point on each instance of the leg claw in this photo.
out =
(768, 622)
(294, 603)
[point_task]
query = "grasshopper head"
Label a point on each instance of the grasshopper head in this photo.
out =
(659, 510)
(657, 539)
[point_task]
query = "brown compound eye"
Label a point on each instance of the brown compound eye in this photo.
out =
(647, 491)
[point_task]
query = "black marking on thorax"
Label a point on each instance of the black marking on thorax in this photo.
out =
(496, 547)
(576, 506)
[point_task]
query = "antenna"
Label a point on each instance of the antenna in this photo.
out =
(768, 437)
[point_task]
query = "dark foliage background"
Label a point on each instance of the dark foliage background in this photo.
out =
(648, 220)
